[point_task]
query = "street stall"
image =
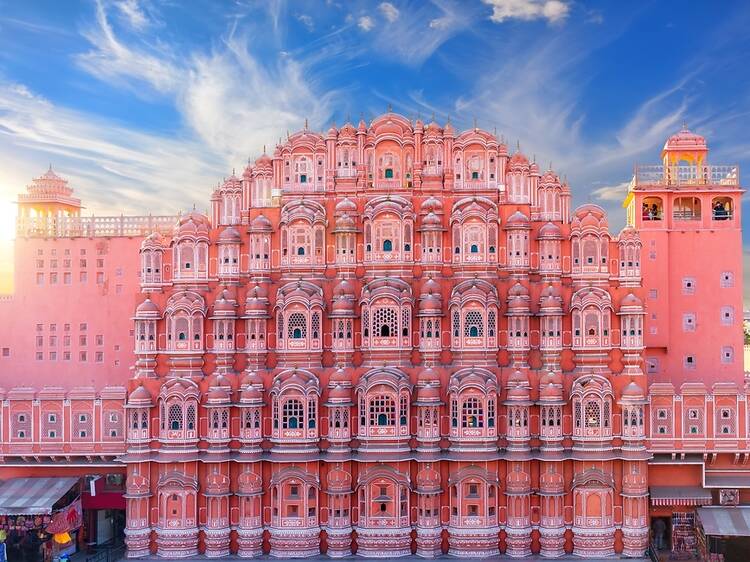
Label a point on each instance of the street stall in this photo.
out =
(28, 506)
(723, 533)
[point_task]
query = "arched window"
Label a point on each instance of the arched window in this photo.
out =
(686, 208)
(722, 209)
(387, 245)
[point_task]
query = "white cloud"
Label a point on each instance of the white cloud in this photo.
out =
(133, 14)
(389, 11)
(411, 42)
(112, 60)
(612, 193)
(365, 23)
(551, 10)
(113, 168)
(307, 21)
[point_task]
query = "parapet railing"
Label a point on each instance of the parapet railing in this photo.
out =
(687, 175)
(89, 227)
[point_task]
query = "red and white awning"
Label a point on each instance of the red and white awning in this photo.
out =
(33, 496)
(679, 496)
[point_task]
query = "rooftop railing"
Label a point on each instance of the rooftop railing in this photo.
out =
(89, 227)
(687, 175)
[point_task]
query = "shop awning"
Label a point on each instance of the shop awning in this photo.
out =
(679, 495)
(725, 521)
(33, 496)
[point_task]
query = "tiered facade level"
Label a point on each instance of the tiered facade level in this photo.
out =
(396, 338)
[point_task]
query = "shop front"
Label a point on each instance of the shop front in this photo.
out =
(33, 510)
(673, 527)
(723, 533)
(104, 510)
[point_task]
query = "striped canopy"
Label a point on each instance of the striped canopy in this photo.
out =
(33, 496)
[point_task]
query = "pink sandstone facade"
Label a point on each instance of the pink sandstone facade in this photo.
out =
(389, 339)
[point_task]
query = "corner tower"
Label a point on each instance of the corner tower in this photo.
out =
(688, 214)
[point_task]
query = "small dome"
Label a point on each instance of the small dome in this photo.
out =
(344, 288)
(686, 140)
(432, 203)
(251, 394)
(550, 231)
(339, 376)
(343, 304)
(140, 395)
(428, 375)
(261, 224)
(230, 235)
(518, 393)
(518, 290)
(517, 218)
(252, 379)
(551, 392)
(431, 286)
(518, 303)
(147, 308)
(340, 392)
(346, 205)
(428, 393)
(631, 300)
(225, 303)
(519, 159)
(263, 161)
(430, 303)
(217, 396)
(432, 220)
(632, 390)
(345, 222)
(518, 377)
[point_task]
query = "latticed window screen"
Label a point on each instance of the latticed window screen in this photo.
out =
(456, 324)
(175, 417)
(134, 420)
(22, 425)
(382, 410)
(491, 323)
(296, 326)
(366, 322)
(385, 322)
(52, 425)
(292, 414)
(248, 419)
(190, 417)
(578, 414)
(472, 414)
(404, 408)
(315, 325)
(593, 414)
(606, 415)
(491, 413)
(82, 426)
(112, 425)
(405, 321)
(454, 412)
(474, 324)
(311, 413)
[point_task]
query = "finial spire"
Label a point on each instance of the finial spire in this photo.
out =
(518, 145)
(305, 123)
(264, 149)
(390, 108)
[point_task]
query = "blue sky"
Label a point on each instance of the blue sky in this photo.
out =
(145, 105)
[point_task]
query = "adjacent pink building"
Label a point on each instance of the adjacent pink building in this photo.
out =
(389, 339)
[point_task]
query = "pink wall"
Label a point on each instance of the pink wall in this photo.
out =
(103, 300)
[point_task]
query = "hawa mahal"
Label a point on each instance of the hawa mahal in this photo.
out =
(389, 338)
